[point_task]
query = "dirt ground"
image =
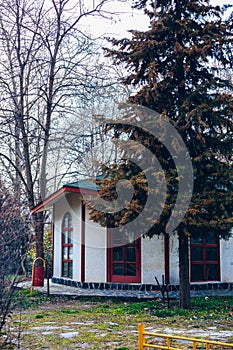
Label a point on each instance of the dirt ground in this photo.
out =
(70, 323)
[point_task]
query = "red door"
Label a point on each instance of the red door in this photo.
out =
(124, 258)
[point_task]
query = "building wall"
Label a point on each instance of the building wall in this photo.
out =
(95, 252)
(226, 260)
(71, 204)
(152, 259)
(95, 242)
(174, 259)
(152, 250)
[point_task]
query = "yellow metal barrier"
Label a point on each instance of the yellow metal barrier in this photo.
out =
(142, 345)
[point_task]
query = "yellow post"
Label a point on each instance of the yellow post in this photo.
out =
(194, 345)
(168, 342)
(141, 337)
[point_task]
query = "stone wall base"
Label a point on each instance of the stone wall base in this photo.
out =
(140, 286)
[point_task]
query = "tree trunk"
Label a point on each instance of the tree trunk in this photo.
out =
(39, 230)
(184, 269)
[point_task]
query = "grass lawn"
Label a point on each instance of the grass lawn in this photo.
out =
(95, 323)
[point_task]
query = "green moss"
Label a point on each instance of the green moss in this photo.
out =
(69, 311)
(42, 315)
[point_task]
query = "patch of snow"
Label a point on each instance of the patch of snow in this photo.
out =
(48, 328)
(69, 335)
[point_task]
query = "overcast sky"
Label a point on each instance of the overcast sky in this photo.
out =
(126, 20)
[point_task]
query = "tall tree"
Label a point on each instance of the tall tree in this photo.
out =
(175, 67)
(46, 63)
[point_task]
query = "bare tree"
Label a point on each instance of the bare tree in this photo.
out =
(46, 63)
(79, 147)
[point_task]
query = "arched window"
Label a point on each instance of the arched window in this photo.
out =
(67, 246)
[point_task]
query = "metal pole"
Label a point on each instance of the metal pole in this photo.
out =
(48, 292)
(141, 337)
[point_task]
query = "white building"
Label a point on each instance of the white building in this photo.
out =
(86, 254)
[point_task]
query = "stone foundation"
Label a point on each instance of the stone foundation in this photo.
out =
(139, 286)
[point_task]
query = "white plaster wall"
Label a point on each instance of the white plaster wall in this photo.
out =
(152, 252)
(226, 260)
(71, 204)
(56, 242)
(174, 259)
(152, 259)
(95, 251)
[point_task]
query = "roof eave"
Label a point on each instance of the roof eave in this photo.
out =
(53, 198)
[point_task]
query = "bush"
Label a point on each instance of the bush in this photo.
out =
(14, 238)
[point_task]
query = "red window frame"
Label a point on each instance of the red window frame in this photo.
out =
(67, 246)
(204, 262)
(122, 262)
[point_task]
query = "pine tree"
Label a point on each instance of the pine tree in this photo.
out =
(177, 68)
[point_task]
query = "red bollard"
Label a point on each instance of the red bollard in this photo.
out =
(38, 273)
